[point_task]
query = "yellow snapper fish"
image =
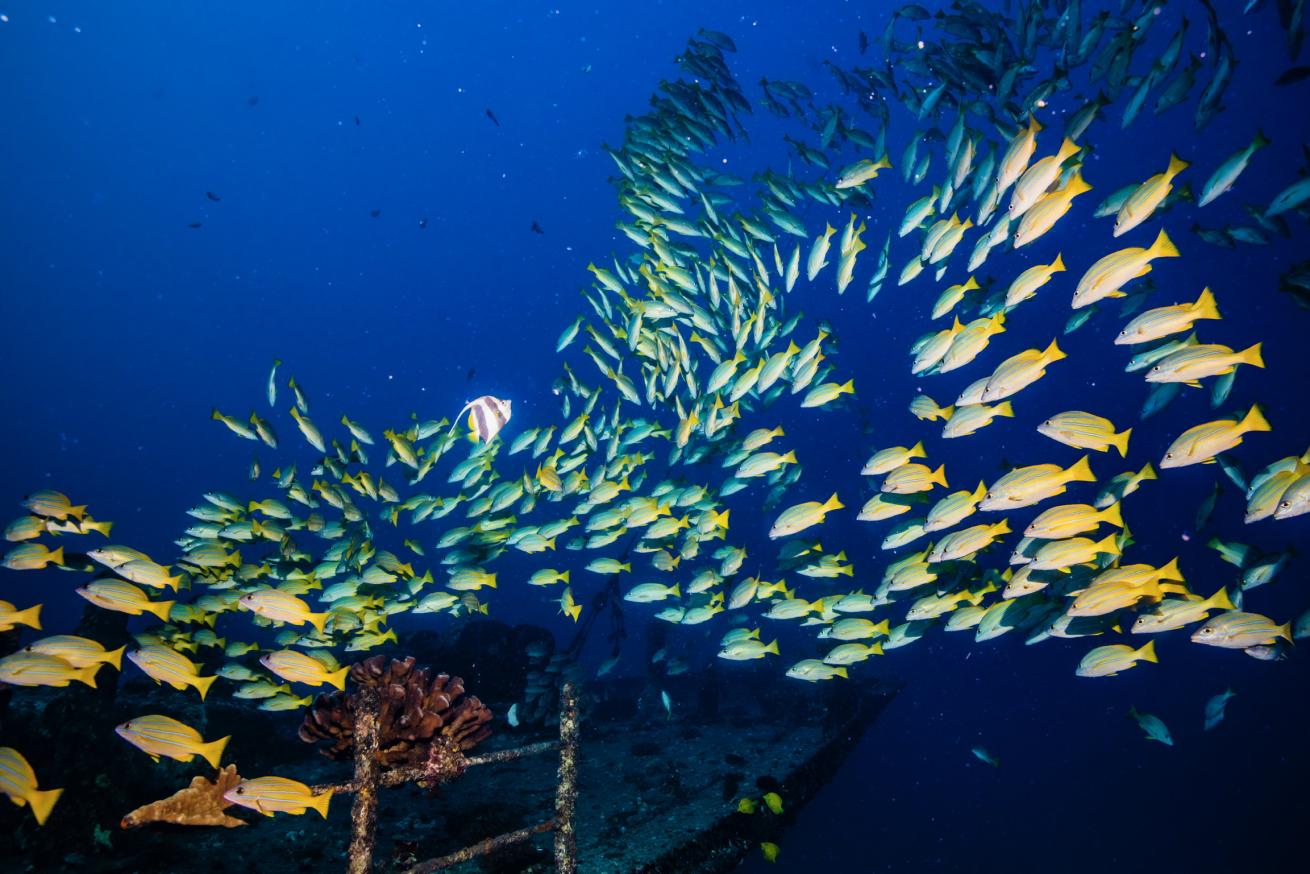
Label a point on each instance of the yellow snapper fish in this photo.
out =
(813, 670)
(1060, 555)
(41, 669)
(18, 781)
(1085, 431)
(31, 557)
(1025, 486)
(1107, 596)
(886, 460)
(1043, 215)
(799, 517)
(52, 505)
(1193, 363)
(165, 665)
(158, 736)
(1018, 372)
(1017, 155)
(1070, 520)
(953, 508)
(123, 597)
(862, 171)
(969, 343)
(747, 648)
(1107, 276)
(297, 667)
(1234, 629)
(1174, 613)
(1161, 322)
(11, 617)
(78, 651)
(281, 606)
(912, 478)
(967, 542)
(1147, 197)
(269, 795)
(1038, 179)
(1027, 283)
(850, 653)
(1107, 661)
(967, 420)
(1201, 443)
(924, 407)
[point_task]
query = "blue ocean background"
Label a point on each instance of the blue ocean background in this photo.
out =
(121, 328)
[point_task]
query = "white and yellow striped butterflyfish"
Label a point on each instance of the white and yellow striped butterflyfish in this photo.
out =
(487, 415)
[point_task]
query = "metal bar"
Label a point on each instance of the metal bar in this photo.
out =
(400, 776)
(481, 848)
(566, 793)
(364, 815)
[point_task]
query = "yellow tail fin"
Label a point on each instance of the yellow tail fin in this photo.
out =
(1113, 515)
(839, 672)
(87, 674)
(939, 476)
(212, 752)
(772, 648)
(1252, 356)
(338, 678)
(1053, 353)
(574, 612)
(321, 802)
(1067, 148)
(1147, 653)
(1163, 247)
(1057, 266)
(917, 451)
(1205, 306)
(1005, 409)
(1170, 571)
(1220, 600)
(115, 657)
(31, 617)
(675, 590)
(1080, 471)
(202, 685)
(1285, 632)
(1120, 441)
(42, 802)
(1176, 166)
(159, 608)
(318, 620)
(1254, 420)
(833, 504)
(56, 556)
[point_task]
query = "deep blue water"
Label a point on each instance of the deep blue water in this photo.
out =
(121, 327)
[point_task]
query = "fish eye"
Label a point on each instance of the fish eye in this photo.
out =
(241, 790)
(1168, 455)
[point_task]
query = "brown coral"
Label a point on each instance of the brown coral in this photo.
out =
(423, 719)
(201, 803)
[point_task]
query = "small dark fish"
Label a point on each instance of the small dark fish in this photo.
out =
(491, 115)
(357, 121)
(1292, 76)
(864, 42)
(252, 100)
(194, 225)
(468, 377)
(212, 196)
(423, 223)
(375, 213)
(536, 228)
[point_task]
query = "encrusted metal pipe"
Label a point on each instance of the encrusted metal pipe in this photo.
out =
(415, 773)
(566, 793)
(481, 848)
(364, 815)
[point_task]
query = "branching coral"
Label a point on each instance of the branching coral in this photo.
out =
(423, 719)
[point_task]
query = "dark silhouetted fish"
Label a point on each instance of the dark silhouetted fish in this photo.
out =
(212, 196)
(194, 225)
(536, 228)
(375, 213)
(422, 223)
(864, 42)
(1292, 76)
(357, 121)
(253, 100)
(491, 115)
